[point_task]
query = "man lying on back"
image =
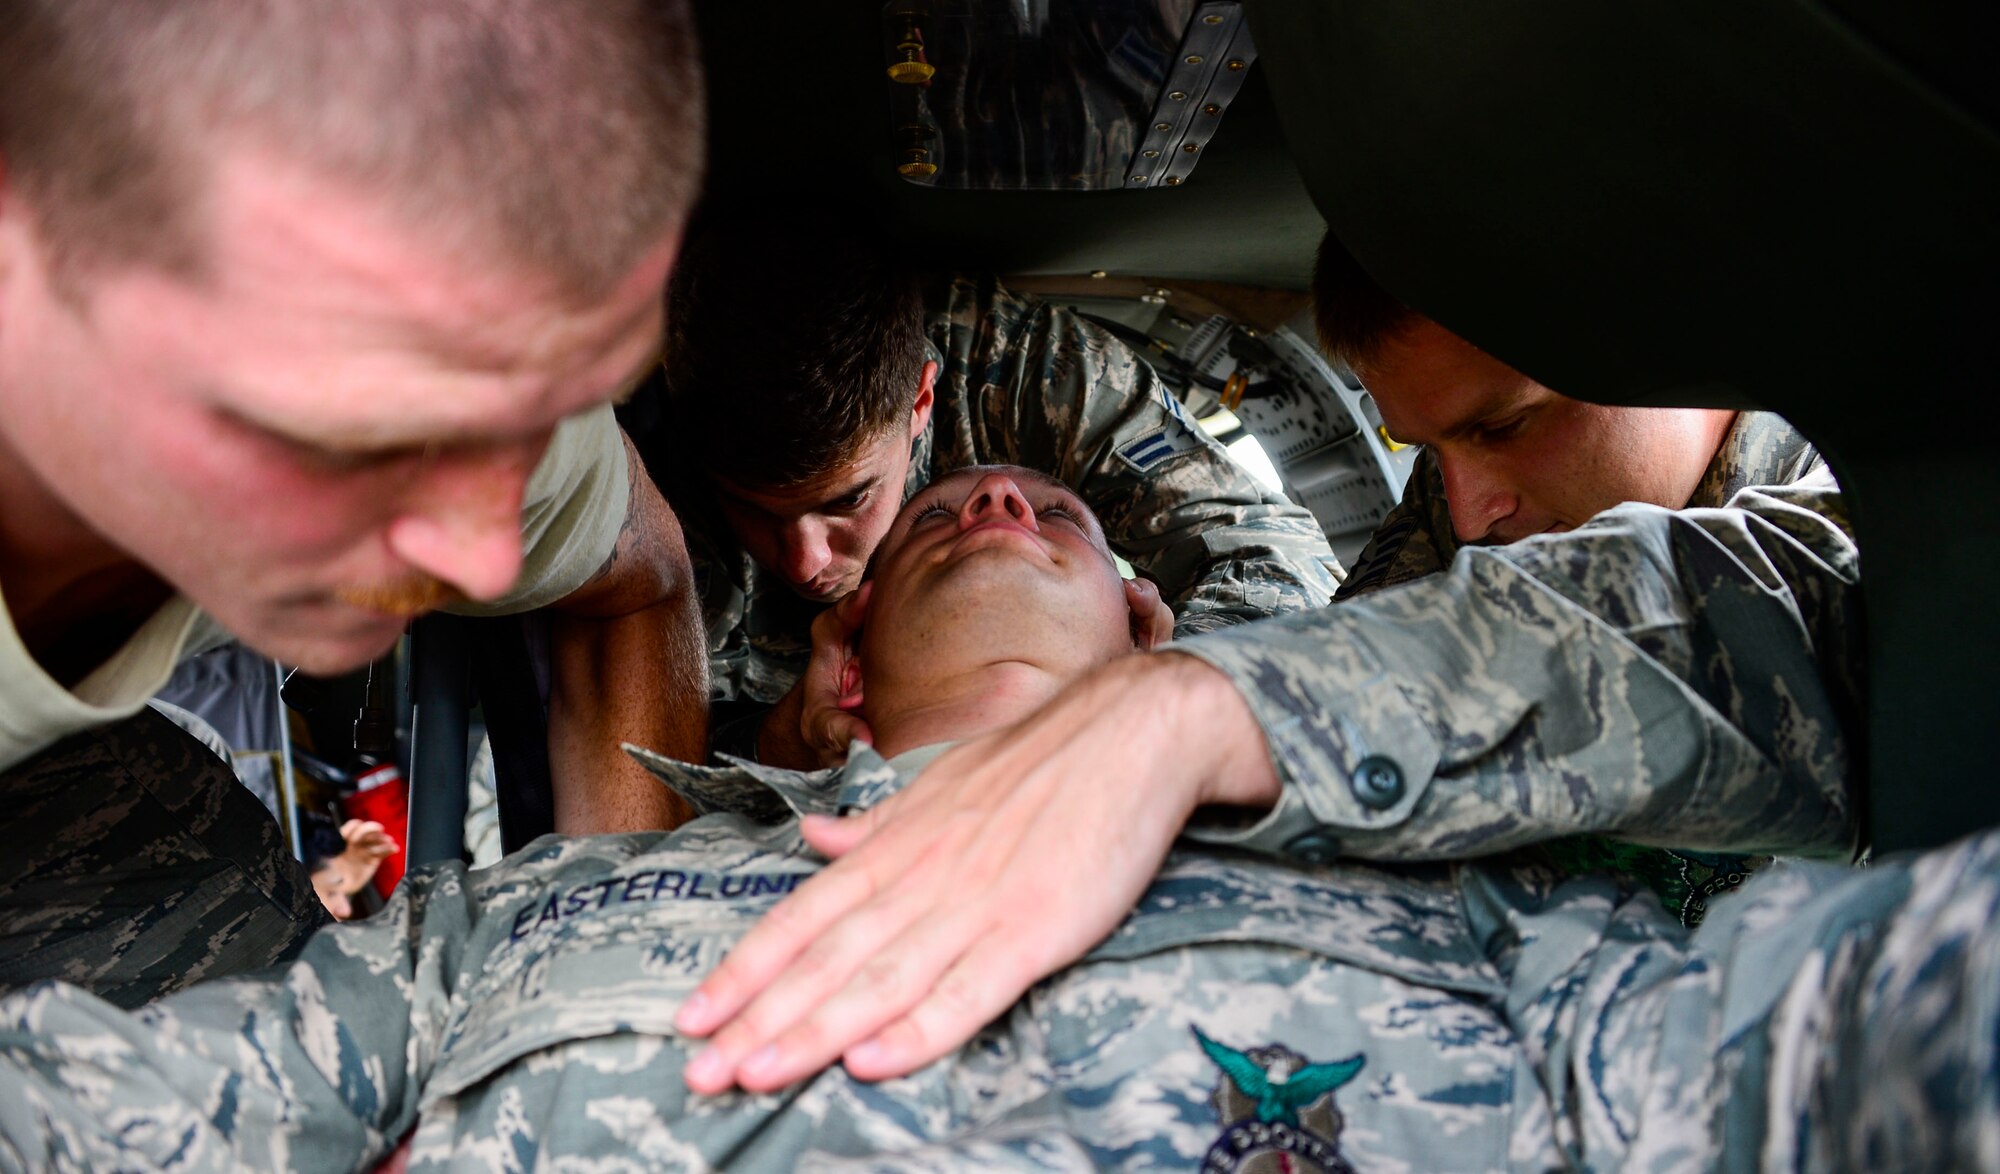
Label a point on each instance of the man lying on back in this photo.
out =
(1342, 1016)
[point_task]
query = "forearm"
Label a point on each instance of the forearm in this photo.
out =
(1228, 557)
(1641, 677)
(629, 664)
(1265, 566)
(638, 678)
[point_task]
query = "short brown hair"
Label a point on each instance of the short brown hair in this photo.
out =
(792, 340)
(1356, 317)
(562, 136)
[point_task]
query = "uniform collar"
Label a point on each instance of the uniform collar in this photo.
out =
(1762, 448)
(769, 794)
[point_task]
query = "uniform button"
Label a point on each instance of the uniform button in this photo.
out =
(1377, 782)
(1313, 847)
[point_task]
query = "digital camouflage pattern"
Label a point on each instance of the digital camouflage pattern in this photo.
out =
(1682, 678)
(1022, 382)
(1250, 1015)
(1416, 539)
(133, 863)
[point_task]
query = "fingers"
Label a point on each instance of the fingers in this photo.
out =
(837, 625)
(875, 965)
(834, 838)
(770, 946)
(852, 608)
(977, 989)
(1152, 619)
(830, 735)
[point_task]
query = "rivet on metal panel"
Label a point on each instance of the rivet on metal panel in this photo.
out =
(1163, 126)
(1238, 64)
(1173, 181)
(1193, 59)
(1177, 96)
(1212, 108)
(1150, 154)
(1099, 273)
(1191, 148)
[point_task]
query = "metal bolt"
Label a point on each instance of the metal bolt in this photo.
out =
(1193, 59)
(1177, 96)
(1163, 126)
(1212, 18)
(1191, 148)
(1138, 179)
(1173, 181)
(1150, 154)
(1098, 273)
(1237, 65)
(1211, 108)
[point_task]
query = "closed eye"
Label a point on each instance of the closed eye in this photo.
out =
(1504, 430)
(936, 507)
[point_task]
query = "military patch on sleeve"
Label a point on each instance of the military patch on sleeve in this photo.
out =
(1278, 1110)
(1145, 453)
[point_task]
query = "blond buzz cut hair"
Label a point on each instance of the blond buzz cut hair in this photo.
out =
(561, 137)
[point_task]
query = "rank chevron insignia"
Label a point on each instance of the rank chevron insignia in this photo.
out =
(1279, 1100)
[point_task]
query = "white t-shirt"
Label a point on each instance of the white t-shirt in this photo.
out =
(570, 518)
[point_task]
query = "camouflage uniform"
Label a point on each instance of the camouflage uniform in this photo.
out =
(1250, 1014)
(1416, 540)
(171, 873)
(1022, 382)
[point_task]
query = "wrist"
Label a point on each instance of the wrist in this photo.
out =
(1206, 734)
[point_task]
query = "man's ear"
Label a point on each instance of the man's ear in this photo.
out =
(850, 684)
(852, 615)
(920, 411)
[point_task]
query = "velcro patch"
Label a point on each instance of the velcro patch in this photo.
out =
(1156, 446)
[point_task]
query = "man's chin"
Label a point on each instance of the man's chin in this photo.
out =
(815, 595)
(328, 655)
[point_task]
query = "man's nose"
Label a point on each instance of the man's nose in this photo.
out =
(996, 495)
(464, 524)
(1479, 497)
(803, 551)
